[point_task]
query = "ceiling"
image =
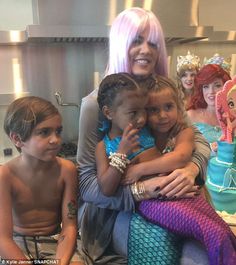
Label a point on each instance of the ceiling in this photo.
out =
(183, 21)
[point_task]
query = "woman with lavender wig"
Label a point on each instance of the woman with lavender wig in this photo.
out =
(136, 46)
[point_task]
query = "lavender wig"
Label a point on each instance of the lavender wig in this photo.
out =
(125, 28)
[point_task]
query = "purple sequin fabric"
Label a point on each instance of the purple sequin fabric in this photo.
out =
(194, 218)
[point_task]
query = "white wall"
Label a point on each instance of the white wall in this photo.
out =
(15, 14)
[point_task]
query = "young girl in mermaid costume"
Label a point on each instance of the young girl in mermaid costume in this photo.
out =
(190, 217)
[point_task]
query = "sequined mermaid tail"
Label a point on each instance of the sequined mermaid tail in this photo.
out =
(151, 244)
(197, 219)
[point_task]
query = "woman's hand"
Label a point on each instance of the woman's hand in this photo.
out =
(181, 186)
(178, 184)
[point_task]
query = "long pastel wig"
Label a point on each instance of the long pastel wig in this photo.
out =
(124, 30)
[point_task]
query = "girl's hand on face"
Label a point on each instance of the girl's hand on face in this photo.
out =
(129, 140)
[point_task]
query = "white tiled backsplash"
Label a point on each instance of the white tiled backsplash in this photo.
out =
(4, 140)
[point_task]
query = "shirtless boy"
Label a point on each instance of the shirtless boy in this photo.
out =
(38, 190)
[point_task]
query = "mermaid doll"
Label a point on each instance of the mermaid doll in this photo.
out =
(226, 114)
(226, 110)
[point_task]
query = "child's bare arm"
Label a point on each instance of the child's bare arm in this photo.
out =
(8, 247)
(68, 235)
(109, 176)
(168, 162)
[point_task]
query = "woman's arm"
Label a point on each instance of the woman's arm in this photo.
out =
(178, 184)
(168, 162)
(186, 180)
(200, 156)
(88, 139)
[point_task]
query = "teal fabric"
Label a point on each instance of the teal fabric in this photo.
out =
(234, 153)
(150, 244)
(146, 141)
(211, 133)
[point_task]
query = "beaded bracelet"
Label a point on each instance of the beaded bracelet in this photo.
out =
(119, 161)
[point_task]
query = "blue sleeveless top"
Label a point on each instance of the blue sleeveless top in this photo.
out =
(146, 141)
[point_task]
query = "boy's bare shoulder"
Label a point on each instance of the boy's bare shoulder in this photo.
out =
(66, 165)
(8, 169)
(4, 172)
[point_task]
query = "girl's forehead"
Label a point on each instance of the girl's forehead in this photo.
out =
(127, 96)
(165, 93)
(130, 93)
(162, 90)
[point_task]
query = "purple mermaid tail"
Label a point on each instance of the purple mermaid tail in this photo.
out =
(197, 219)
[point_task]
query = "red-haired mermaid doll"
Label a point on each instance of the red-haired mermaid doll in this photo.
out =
(226, 110)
